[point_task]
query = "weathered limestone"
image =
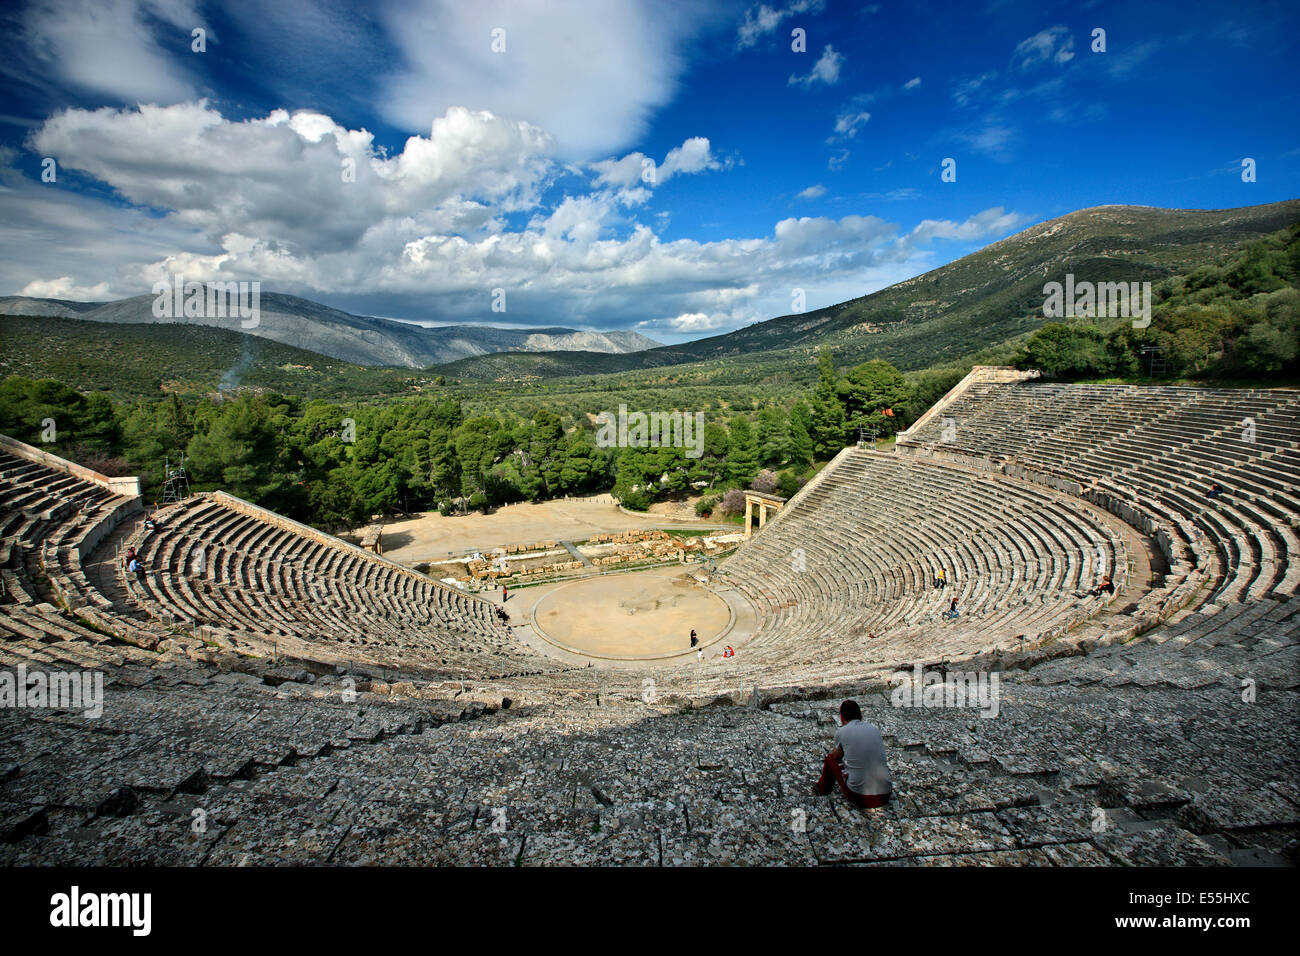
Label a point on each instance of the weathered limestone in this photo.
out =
(1160, 729)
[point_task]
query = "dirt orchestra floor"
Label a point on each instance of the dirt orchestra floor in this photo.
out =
(641, 615)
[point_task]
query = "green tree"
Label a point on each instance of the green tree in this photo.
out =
(479, 442)
(828, 425)
(631, 479)
(742, 452)
(583, 468)
(32, 410)
(240, 451)
(774, 441)
(801, 443)
(546, 450)
(868, 391)
(1067, 351)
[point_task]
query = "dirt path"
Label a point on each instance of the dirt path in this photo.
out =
(432, 537)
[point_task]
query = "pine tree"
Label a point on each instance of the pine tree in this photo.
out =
(742, 452)
(828, 427)
(868, 390)
(773, 437)
(801, 443)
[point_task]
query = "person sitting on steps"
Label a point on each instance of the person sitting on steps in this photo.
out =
(1106, 587)
(858, 762)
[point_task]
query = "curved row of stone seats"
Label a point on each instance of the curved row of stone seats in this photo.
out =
(1254, 645)
(1152, 454)
(260, 583)
(1182, 769)
(1121, 764)
(34, 499)
(50, 522)
(843, 577)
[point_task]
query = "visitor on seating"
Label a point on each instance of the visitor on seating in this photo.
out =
(952, 611)
(858, 762)
(1215, 491)
(939, 579)
(1106, 587)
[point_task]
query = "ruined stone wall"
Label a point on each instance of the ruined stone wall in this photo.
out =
(127, 487)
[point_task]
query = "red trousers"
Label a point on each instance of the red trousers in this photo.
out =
(833, 772)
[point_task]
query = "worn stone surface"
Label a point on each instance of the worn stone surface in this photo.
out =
(1161, 733)
(1064, 775)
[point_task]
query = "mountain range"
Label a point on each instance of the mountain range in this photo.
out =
(952, 312)
(943, 317)
(364, 340)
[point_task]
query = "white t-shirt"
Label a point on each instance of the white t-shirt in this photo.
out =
(864, 757)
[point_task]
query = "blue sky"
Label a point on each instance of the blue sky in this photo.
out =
(677, 169)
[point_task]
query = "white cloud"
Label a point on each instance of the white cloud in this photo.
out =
(693, 156)
(1053, 45)
(425, 233)
(990, 222)
(591, 78)
(580, 218)
(64, 288)
(762, 19)
(224, 176)
(634, 175)
(913, 83)
(992, 140)
(826, 239)
(825, 70)
(58, 244)
(695, 322)
(121, 48)
(812, 192)
(848, 124)
(967, 90)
